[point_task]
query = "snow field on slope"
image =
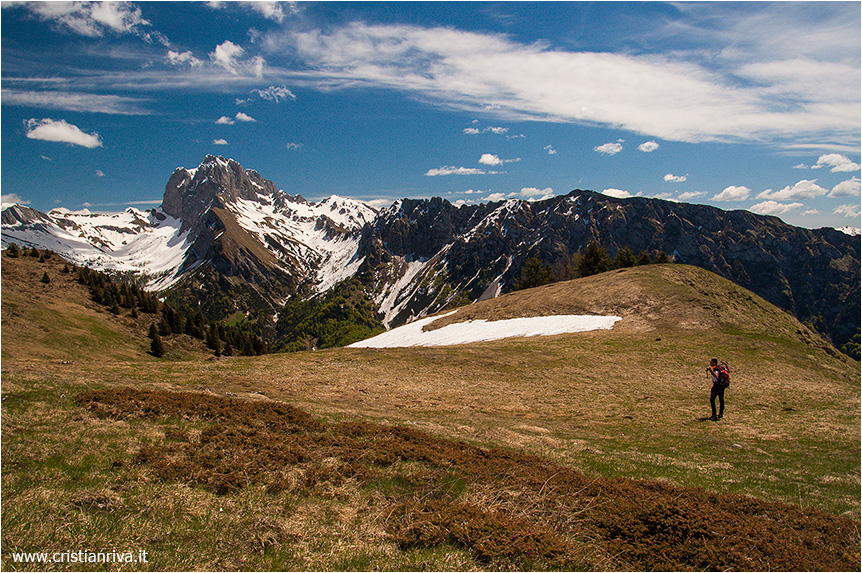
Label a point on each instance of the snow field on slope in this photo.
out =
(482, 330)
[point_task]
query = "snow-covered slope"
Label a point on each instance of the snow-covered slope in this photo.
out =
(146, 244)
(414, 334)
(316, 241)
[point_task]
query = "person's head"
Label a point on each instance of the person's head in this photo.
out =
(713, 362)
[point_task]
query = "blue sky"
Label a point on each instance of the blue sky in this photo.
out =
(741, 105)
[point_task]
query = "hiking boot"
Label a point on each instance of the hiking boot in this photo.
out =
(713, 418)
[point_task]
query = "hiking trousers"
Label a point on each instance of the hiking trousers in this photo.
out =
(717, 392)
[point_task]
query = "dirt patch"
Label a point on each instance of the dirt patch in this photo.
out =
(509, 509)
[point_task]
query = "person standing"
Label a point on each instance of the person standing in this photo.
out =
(717, 391)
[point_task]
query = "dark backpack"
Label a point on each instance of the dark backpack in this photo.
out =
(724, 375)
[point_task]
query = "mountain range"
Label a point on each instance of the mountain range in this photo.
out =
(229, 242)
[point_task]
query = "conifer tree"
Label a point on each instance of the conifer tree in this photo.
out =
(45, 278)
(595, 261)
(625, 258)
(13, 251)
(156, 346)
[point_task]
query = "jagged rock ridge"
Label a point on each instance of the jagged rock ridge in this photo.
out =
(227, 240)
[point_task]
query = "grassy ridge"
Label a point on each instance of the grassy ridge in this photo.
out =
(618, 404)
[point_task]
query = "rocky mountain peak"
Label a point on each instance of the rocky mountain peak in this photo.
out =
(216, 182)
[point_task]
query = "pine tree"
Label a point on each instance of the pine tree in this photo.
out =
(644, 258)
(595, 261)
(154, 331)
(13, 251)
(625, 258)
(45, 278)
(662, 258)
(156, 346)
(534, 273)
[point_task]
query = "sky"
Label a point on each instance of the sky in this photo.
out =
(740, 105)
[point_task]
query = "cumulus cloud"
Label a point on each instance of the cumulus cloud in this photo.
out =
(489, 159)
(671, 178)
(848, 211)
(275, 93)
(494, 130)
(690, 195)
(451, 170)
(733, 193)
(62, 132)
(618, 193)
(774, 208)
(10, 198)
(494, 197)
(294, 146)
(219, 141)
(839, 163)
(550, 149)
(648, 146)
(849, 188)
(228, 55)
(805, 189)
(535, 192)
(608, 148)
(225, 120)
(100, 173)
(183, 59)
(240, 116)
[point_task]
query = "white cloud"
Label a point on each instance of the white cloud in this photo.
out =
(95, 19)
(550, 149)
(10, 198)
(182, 59)
(494, 130)
(648, 146)
(533, 192)
(219, 141)
(618, 193)
(671, 178)
(849, 188)
(72, 101)
(678, 96)
(294, 146)
(774, 208)
(450, 170)
(608, 148)
(489, 159)
(275, 93)
(240, 116)
(733, 193)
(100, 173)
(690, 195)
(494, 197)
(228, 55)
(800, 166)
(62, 132)
(839, 163)
(805, 189)
(848, 211)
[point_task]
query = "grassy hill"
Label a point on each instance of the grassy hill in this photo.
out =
(579, 451)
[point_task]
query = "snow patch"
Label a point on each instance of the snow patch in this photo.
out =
(482, 330)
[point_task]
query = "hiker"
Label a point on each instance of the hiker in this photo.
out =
(718, 387)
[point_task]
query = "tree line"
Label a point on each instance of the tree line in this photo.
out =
(594, 259)
(222, 339)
